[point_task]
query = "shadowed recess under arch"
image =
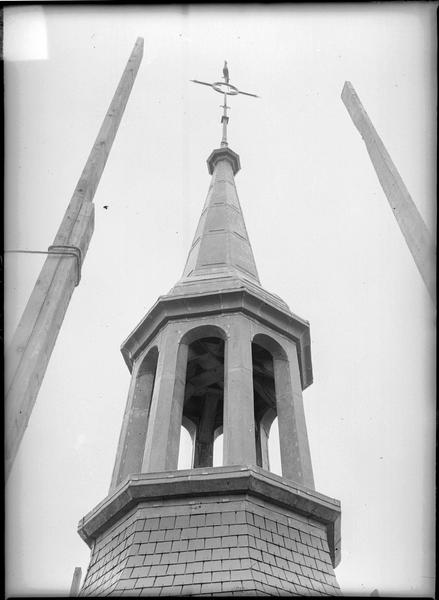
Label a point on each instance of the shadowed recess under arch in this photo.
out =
(204, 391)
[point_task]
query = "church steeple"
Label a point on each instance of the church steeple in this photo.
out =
(218, 355)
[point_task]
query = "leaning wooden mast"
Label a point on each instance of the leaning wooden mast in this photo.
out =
(35, 337)
(411, 224)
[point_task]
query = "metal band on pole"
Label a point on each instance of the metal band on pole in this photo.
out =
(59, 251)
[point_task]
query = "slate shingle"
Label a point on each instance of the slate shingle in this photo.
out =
(223, 548)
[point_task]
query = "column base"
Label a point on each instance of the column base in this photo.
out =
(222, 531)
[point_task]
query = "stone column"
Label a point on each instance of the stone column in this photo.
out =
(264, 433)
(203, 456)
(239, 419)
(132, 439)
(163, 435)
(293, 438)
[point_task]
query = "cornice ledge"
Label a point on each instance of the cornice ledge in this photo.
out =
(212, 481)
(223, 154)
(172, 307)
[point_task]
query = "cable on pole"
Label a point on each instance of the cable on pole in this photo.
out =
(59, 250)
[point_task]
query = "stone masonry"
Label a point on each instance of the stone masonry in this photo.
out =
(226, 544)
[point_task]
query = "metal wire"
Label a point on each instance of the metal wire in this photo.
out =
(59, 250)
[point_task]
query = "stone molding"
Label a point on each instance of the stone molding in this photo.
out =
(215, 481)
(223, 154)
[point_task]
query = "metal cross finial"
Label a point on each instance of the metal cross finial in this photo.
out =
(227, 89)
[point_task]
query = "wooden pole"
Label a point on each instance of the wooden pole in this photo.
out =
(76, 582)
(414, 230)
(35, 336)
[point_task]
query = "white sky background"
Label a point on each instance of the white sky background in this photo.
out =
(323, 236)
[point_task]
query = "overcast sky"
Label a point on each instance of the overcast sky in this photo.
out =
(323, 236)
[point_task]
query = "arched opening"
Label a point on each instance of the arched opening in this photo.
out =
(264, 397)
(269, 361)
(145, 379)
(133, 434)
(204, 396)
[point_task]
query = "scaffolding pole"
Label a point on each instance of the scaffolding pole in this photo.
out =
(413, 228)
(34, 339)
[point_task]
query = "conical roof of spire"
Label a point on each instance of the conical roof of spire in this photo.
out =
(221, 247)
(221, 256)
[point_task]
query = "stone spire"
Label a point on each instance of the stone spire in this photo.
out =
(220, 252)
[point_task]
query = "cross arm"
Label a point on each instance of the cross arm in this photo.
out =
(202, 82)
(248, 94)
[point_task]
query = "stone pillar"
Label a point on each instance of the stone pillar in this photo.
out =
(163, 435)
(293, 438)
(203, 456)
(239, 419)
(264, 433)
(133, 434)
